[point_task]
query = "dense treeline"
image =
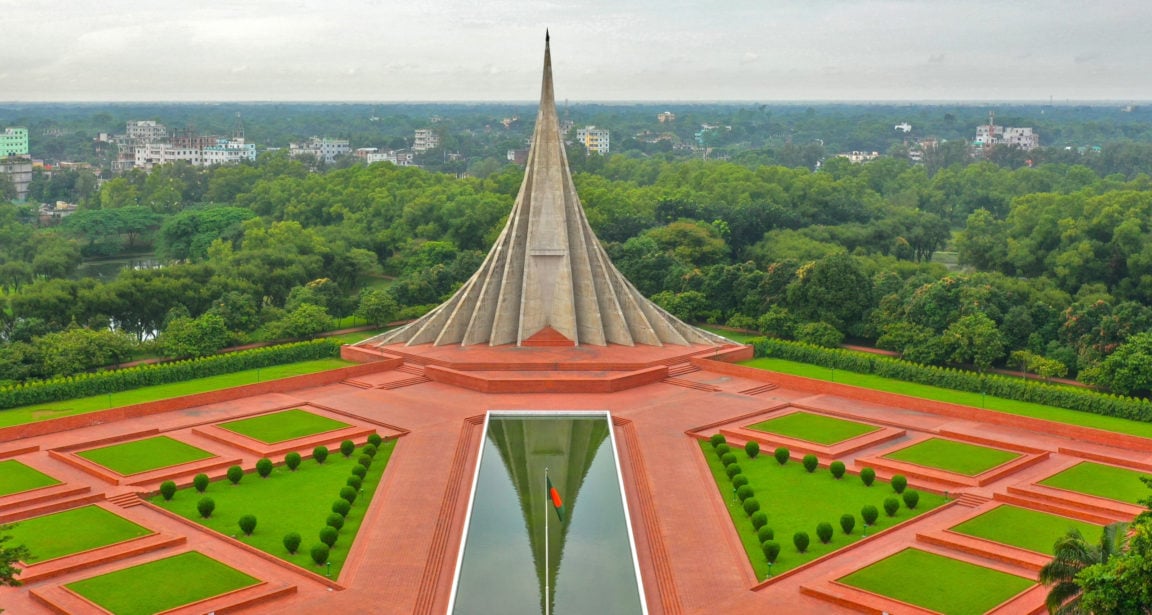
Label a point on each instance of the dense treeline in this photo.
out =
(1053, 276)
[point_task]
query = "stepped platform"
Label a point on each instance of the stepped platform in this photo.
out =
(68, 564)
(1069, 503)
(1027, 457)
(60, 599)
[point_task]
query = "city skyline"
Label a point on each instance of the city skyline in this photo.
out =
(452, 51)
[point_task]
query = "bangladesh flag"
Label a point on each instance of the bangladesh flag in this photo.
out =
(557, 503)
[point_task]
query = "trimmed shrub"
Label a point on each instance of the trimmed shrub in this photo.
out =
(369, 449)
(899, 482)
(354, 482)
(292, 460)
(320, 453)
(728, 459)
(744, 492)
(771, 550)
(341, 507)
(837, 469)
(752, 448)
(359, 470)
(247, 524)
(365, 461)
(722, 449)
(911, 498)
(167, 489)
(824, 531)
(751, 505)
(205, 507)
(782, 455)
(291, 542)
(335, 520)
(717, 439)
(847, 522)
(867, 475)
(375, 439)
(264, 467)
(733, 470)
(328, 535)
(320, 554)
(765, 533)
(347, 447)
(891, 505)
(739, 481)
(869, 514)
(235, 473)
(810, 463)
(349, 494)
(759, 519)
(801, 541)
(200, 482)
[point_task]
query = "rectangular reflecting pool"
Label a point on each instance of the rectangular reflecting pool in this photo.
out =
(527, 551)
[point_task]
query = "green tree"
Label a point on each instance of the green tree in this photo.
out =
(1128, 370)
(306, 321)
(833, 289)
(194, 337)
(377, 307)
(9, 556)
(1073, 554)
(974, 339)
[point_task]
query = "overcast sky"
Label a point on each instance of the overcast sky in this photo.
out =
(473, 50)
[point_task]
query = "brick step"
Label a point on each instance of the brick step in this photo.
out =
(690, 384)
(356, 383)
(56, 506)
(681, 368)
(126, 500)
(1068, 508)
(971, 500)
(103, 555)
(408, 368)
(764, 388)
(987, 549)
(396, 384)
(44, 494)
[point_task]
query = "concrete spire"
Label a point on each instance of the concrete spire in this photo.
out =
(547, 275)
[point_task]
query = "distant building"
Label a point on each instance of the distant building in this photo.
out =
(903, 127)
(425, 139)
(990, 134)
(666, 117)
(595, 140)
(856, 157)
(146, 131)
(518, 156)
(400, 157)
(18, 170)
(323, 149)
(14, 142)
(229, 151)
(53, 214)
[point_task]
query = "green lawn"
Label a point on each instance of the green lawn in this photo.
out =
(162, 585)
(938, 583)
(1102, 481)
(953, 456)
(16, 477)
(73, 531)
(796, 501)
(976, 400)
(283, 426)
(735, 336)
(360, 336)
(814, 427)
(144, 455)
(286, 502)
(1025, 528)
(53, 410)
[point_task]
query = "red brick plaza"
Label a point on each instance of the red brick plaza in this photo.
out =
(663, 399)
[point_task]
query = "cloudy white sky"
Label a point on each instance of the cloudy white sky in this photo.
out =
(472, 50)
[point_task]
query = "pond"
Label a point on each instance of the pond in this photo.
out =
(519, 556)
(106, 270)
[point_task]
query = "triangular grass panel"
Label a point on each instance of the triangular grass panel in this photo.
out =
(939, 583)
(15, 477)
(286, 502)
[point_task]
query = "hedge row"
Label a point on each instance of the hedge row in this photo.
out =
(1017, 389)
(114, 381)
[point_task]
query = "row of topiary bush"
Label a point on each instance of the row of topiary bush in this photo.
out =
(1017, 389)
(114, 381)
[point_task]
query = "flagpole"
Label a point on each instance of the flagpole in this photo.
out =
(547, 495)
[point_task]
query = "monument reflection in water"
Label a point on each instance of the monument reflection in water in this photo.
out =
(591, 564)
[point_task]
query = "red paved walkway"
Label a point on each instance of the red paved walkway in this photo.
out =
(690, 557)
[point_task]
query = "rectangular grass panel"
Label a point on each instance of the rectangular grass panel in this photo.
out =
(939, 583)
(287, 502)
(796, 500)
(1025, 528)
(145, 455)
(816, 428)
(73, 531)
(283, 426)
(161, 585)
(953, 456)
(1101, 480)
(16, 477)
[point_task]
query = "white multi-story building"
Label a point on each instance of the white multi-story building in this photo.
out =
(399, 157)
(425, 140)
(990, 134)
(229, 151)
(18, 170)
(14, 142)
(146, 131)
(595, 140)
(323, 149)
(148, 155)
